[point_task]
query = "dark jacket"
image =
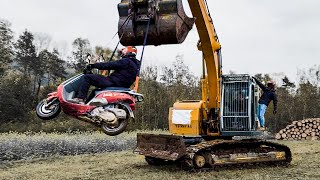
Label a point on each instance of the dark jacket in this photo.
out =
(268, 95)
(125, 71)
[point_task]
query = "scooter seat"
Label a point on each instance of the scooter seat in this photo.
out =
(116, 89)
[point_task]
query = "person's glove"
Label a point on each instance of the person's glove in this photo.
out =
(88, 69)
(275, 111)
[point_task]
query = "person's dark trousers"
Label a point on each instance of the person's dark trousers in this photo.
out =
(96, 80)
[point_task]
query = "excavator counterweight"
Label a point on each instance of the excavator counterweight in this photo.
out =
(169, 23)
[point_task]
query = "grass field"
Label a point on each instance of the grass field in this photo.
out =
(126, 165)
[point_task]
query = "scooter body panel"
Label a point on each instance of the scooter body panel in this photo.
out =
(71, 108)
(113, 97)
(77, 110)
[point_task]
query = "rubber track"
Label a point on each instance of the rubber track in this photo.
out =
(234, 145)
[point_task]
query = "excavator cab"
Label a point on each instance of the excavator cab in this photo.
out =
(239, 103)
(169, 24)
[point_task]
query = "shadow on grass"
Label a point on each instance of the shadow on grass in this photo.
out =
(177, 167)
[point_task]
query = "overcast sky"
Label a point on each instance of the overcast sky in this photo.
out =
(257, 36)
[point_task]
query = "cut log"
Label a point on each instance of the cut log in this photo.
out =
(301, 131)
(307, 131)
(290, 126)
(299, 124)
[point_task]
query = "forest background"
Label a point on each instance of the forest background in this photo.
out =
(30, 69)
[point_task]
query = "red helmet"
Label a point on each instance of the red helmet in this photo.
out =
(129, 51)
(271, 84)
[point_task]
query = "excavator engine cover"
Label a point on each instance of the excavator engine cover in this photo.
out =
(169, 24)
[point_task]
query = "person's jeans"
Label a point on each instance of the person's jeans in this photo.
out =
(261, 111)
(95, 80)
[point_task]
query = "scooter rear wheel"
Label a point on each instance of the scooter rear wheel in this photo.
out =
(46, 112)
(115, 130)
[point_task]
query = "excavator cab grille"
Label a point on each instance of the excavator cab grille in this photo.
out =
(239, 104)
(169, 23)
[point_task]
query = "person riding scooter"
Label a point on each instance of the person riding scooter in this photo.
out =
(124, 75)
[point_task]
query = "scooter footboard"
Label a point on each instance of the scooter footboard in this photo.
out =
(162, 146)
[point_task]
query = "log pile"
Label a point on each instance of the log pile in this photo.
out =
(307, 129)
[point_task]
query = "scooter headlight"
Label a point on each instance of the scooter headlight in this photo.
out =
(139, 98)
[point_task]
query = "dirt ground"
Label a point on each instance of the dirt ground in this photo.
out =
(126, 165)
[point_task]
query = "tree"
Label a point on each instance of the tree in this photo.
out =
(6, 45)
(28, 61)
(42, 41)
(54, 65)
(26, 53)
(180, 82)
(107, 53)
(287, 82)
(14, 94)
(81, 47)
(263, 78)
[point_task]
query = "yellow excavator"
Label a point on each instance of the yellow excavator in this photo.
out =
(202, 132)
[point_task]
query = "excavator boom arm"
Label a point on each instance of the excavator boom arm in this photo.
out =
(170, 25)
(209, 46)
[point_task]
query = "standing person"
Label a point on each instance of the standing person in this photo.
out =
(269, 94)
(124, 75)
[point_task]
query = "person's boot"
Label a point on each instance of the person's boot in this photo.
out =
(77, 101)
(261, 129)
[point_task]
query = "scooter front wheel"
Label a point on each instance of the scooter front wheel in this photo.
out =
(48, 110)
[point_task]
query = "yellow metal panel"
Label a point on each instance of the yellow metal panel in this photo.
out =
(209, 45)
(196, 117)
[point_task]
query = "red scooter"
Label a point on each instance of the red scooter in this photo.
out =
(110, 108)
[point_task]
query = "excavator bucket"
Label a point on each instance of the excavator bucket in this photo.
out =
(161, 146)
(169, 24)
